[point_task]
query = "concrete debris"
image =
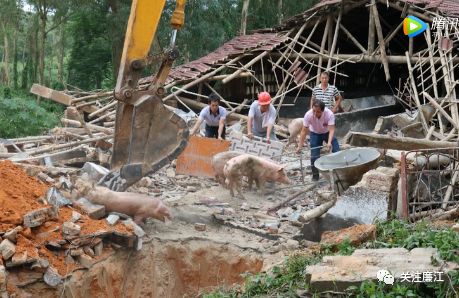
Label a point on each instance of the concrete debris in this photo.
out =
(7, 249)
(356, 235)
(38, 217)
(112, 219)
(75, 216)
(337, 273)
(95, 172)
(52, 277)
(94, 211)
(200, 227)
(55, 198)
(12, 234)
(70, 228)
(245, 207)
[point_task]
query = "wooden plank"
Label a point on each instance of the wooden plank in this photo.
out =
(49, 93)
(196, 159)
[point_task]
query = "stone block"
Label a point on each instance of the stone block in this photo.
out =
(200, 227)
(19, 258)
(76, 252)
(98, 248)
(2, 279)
(52, 277)
(336, 273)
(70, 228)
(94, 171)
(38, 217)
(112, 219)
(89, 251)
(75, 216)
(12, 234)
(85, 261)
(138, 231)
(94, 211)
(7, 249)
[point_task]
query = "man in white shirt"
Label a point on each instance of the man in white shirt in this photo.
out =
(326, 93)
(262, 116)
(214, 116)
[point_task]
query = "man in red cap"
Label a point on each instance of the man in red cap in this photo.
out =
(262, 116)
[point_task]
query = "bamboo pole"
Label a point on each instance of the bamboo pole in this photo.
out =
(371, 31)
(203, 78)
(290, 46)
(89, 126)
(250, 63)
(112, 113)
(92, 96)
(218, 94)
(389, 37)
(335, 37)
(415, 91)
(103, 109)
(381, 40)
(71, 144)
(352, 38)
(322, 47)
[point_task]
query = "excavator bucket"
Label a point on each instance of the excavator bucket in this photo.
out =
(147, 137)
(147, 134)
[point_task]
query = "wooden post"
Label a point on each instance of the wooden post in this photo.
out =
(382, 45)
(335, 37)
(322, 47)
(415, 91)
(371, 31)
(432, 65)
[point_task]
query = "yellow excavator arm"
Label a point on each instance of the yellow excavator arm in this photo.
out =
(147, 134)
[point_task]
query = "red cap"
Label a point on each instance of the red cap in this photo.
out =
(264, 98)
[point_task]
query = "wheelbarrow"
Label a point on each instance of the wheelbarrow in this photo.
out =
(345, 168)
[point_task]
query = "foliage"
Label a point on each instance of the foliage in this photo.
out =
(20, 117)
(397, 233)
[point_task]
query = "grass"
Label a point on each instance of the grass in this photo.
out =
(286, 280)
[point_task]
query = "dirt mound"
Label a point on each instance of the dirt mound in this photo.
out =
(19, 195)
(46, 246)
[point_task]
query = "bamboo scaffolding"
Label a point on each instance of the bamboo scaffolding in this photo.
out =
(382, 45)
(250, 63)
(335, 37)
(322, 47)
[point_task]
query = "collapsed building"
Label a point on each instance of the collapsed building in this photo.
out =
(400, 97)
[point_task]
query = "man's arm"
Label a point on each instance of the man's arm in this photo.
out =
(196, 126)
(338, 100)
(303, 134)
(221, 124)
(331, 133)
(268, 131)
(271, 122)
(249, 127)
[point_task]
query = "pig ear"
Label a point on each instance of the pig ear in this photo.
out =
(281, 169)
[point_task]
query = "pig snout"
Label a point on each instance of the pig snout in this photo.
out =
(162, 212)
(281, 177)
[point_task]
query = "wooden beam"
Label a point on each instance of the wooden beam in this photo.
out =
(366, 58)
(401, 143)
(52, 94)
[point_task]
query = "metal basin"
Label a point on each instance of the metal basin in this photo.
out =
(348, 166)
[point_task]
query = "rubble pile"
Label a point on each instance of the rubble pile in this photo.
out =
(45, 235)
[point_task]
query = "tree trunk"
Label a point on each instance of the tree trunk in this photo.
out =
(15, 59)
(41, 48)
(60, 57)
(6, 57)
(245, 12)
(280, 14)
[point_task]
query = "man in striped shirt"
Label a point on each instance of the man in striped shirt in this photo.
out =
(326, 93)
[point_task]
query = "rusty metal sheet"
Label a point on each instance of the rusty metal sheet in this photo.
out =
(196, 159)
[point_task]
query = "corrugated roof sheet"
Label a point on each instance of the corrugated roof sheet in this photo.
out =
(236, 46)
